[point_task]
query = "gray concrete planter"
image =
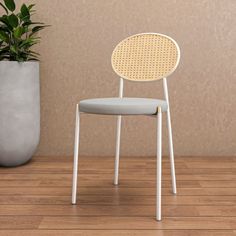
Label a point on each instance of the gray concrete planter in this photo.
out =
(19, 112)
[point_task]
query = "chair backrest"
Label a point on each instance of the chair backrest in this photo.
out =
(145, 57)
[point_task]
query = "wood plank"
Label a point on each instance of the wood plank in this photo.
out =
(127, 164)
(117, 233)
(137, 158)
(61, 167)
(95, 170)
(219, 184)
(111, 191)
(125, 175)
(214, 164)
(90, 210)
(102, 222)
(94, 182)
(23, 222)
(108, 182)
(101, 170)
(118, 200)
(122, 210)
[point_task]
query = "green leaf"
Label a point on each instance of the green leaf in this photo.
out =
(25, 19)
(13, 20)
(4, 19)
(4, 7)
(18, 32)
(13, 49)
(37, 28)
(10, 4)
(5, 28)
(26, 29)
(32, 53)
(28, 42)
(4, 37)
(31, 6)
(25, 12)
(28, 23)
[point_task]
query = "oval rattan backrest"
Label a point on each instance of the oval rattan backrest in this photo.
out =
(145, 57)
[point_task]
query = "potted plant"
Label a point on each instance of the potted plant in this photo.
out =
(19, 84)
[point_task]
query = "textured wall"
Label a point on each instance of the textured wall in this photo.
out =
(76, 65)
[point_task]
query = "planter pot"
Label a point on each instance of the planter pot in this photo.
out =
(19, 112)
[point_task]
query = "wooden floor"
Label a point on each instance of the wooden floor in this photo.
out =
(35, 198)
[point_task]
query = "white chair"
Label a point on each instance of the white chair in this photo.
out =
(141, 57)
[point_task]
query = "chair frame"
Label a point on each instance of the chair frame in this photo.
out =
(118, 137)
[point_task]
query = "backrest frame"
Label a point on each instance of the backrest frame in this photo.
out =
(165, 86)
(125, 45)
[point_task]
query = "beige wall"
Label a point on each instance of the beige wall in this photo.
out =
(76, 65)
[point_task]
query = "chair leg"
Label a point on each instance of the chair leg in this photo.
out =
(117, 157)
(171, 151)
(76, 153)
(158, 164)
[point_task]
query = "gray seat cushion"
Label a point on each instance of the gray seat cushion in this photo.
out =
(122, 106)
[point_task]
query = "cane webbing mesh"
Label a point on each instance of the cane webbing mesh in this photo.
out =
(145, 57)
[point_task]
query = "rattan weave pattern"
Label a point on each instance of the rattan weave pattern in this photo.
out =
(145, 57)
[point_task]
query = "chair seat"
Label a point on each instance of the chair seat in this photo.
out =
(122, 106)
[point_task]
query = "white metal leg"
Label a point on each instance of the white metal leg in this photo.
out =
(76, 153)
(171, 150)
(117, 158)
(158, 163)
(118, 130)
